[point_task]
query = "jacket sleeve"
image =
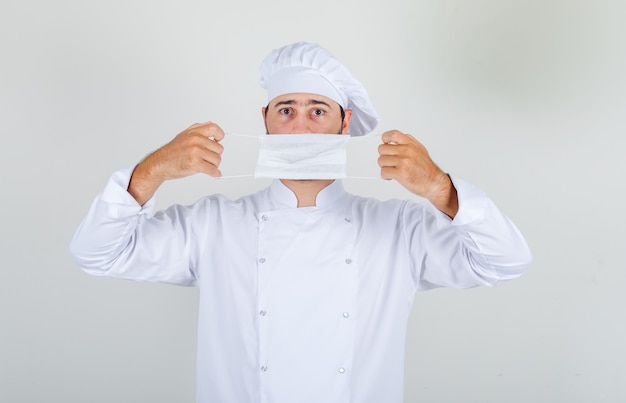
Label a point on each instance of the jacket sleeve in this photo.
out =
(120, 238)
(479, 247)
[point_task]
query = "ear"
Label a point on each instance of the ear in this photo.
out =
(263, 112)
(346, 121)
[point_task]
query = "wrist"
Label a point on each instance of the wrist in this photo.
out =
(444, 196)
(144, 181)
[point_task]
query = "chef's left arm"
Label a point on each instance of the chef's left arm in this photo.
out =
(462, 240)
(406, 160)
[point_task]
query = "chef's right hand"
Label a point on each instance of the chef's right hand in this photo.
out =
(196, 149)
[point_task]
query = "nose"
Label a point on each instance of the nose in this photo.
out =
(300, 125)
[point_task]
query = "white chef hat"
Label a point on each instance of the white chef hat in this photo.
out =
(309, 68)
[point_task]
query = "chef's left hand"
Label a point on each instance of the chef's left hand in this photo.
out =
(406, 160)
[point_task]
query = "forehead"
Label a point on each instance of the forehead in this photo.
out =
(303, 99)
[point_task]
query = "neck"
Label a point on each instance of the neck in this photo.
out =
(306, 191)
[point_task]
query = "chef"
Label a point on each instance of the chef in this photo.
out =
(305, 289)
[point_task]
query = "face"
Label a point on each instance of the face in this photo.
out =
(301, 113)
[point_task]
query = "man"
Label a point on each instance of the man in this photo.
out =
(305, 290)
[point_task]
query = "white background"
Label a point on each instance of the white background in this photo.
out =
(523, 98)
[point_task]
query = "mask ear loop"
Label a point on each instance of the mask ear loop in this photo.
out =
(238, 176)
(255, 136)
(234, 177)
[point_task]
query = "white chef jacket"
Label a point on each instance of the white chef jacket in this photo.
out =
(305, 304)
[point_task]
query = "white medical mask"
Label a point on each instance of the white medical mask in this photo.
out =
(302, 156)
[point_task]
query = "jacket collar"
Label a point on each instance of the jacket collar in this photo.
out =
(282, 197)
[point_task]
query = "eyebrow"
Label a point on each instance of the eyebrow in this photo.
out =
(308, 103)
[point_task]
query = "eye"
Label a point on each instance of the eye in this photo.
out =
(284, 111)
(318, 112)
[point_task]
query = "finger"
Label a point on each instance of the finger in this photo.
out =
(390, 149)
(388, 173)
(193, 126)
(209, 169)
(214, 146)
(199, 139)
(396, 137)
(197, 151)
(212, 158)
(216, 132)
(208, 129)
(204, 161)
(388, 161)
(212, 131)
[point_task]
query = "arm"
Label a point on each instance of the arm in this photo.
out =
(406, 160)
(479, 247)
(194, 150)
(463, 240)
(119, 237)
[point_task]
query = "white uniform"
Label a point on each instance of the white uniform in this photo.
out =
(301, 304)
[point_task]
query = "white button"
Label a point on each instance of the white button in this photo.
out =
(348, 219)
(263, 313)
(346, 315)
(264, 368)
(263, 217)
(348, 261)
(262, 260)
(341, 370)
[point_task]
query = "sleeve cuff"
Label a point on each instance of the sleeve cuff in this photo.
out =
(116, 194)
(472, 203)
